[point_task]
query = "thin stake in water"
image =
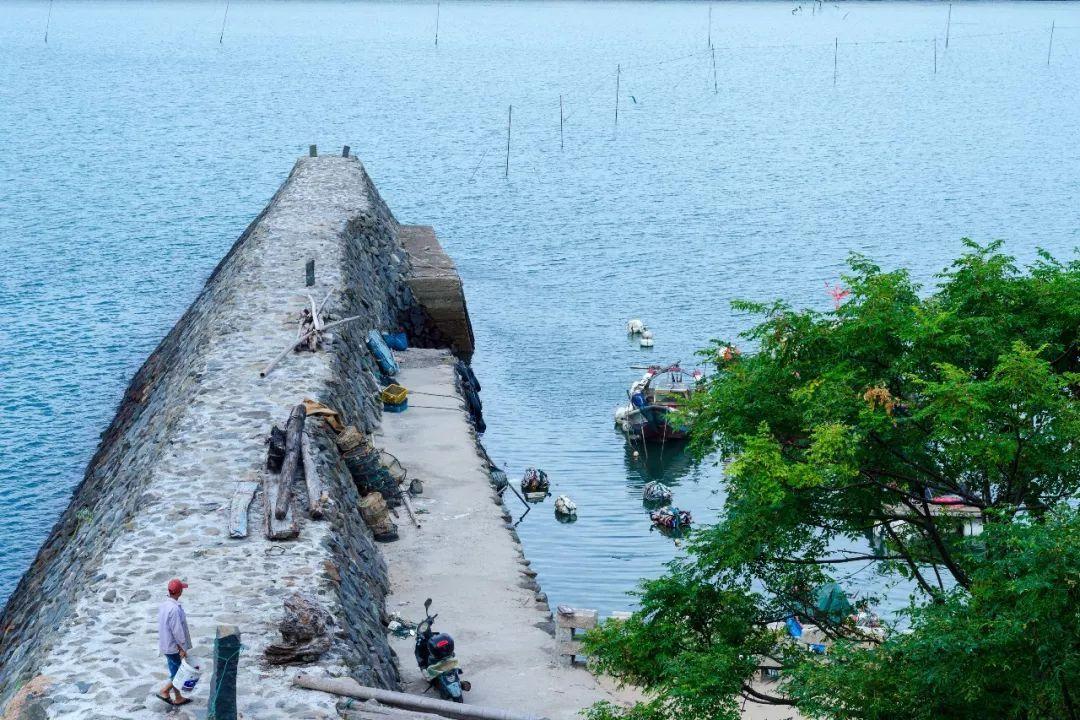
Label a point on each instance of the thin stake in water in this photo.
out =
(221, 38)
(48, 20)
(835, 53)
(935, 56)
(618, 77)
(948, 24)
(710, 27)
(509, 119)
(1051, 48)
(438, 11)
(713, 51)
(560, 123)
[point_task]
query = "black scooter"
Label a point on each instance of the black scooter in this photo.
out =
(435, 656)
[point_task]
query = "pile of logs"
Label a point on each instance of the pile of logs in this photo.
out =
(288, 456)
(296, 458)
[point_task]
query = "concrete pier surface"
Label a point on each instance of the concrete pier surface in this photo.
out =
(464, 558)
(104, 663)
(80, 629)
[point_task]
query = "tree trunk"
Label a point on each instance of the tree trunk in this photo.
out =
(294, 432)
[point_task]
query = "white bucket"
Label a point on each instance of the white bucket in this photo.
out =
(187, 676)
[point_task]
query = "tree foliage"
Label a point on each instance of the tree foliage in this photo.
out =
(852, 424)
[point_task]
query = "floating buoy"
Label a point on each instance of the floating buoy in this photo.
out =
(564, 506)
(635, 327)
(657, 492)
(646, 339)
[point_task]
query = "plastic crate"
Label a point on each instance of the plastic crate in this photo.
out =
(394, 394)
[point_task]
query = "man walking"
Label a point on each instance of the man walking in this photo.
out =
(174, 640)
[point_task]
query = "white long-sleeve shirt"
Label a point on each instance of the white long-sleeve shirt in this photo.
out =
(172, 628)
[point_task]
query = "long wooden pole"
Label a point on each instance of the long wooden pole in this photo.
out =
(714, 88)
(935, 56)
(221, 37)
(710, 27)
(270, 366)
(948, 26)
(48, 21)
(311, 478)
(509, 122)
(835, 54)
(560, 123)
(294, 433)
(618, 78)
(1051, 48)
(438, 11)
(348, 687)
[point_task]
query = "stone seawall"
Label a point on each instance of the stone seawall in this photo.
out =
(154, 503)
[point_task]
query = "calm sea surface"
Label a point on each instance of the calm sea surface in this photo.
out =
(136, 147)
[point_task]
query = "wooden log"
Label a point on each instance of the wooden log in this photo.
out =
(238, 508)
(270, 366)
(222, 702)
(315, 319)
(409, 508)
(309, 272)
(311, 478)
(286, 529)
(348, 687)
(294, 431)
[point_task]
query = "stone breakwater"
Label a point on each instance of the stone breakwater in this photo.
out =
(155, 500)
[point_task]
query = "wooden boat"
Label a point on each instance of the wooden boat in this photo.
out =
(661, 391)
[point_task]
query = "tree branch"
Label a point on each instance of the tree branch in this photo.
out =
(760, 697)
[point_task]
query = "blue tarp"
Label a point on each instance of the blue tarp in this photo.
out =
(396, 341)
(382, 353)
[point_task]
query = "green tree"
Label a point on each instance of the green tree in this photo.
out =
(852, 424)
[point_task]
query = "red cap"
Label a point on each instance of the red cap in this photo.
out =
(175, 586)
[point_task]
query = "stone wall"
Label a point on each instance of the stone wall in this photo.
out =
(128, 480)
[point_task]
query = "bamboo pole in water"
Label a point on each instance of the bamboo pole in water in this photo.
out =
(710, 27)
(48, 21)
(618, 78)
(509, 120)
(935, 56)
(1051, 48)
(438, 11)
(560, 123)
(221, 37)
(836, 52)
(713, 52)
(948, 26)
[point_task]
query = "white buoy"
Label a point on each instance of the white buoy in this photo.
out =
(635, 327)
(565, 506)
(646, 339)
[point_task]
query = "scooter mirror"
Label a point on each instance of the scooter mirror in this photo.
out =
(427, 604)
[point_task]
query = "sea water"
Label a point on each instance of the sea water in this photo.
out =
(142, 137)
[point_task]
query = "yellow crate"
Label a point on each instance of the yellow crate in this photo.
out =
(394, 394)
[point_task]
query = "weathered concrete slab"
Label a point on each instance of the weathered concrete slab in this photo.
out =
(466, 560)
(437, 286)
